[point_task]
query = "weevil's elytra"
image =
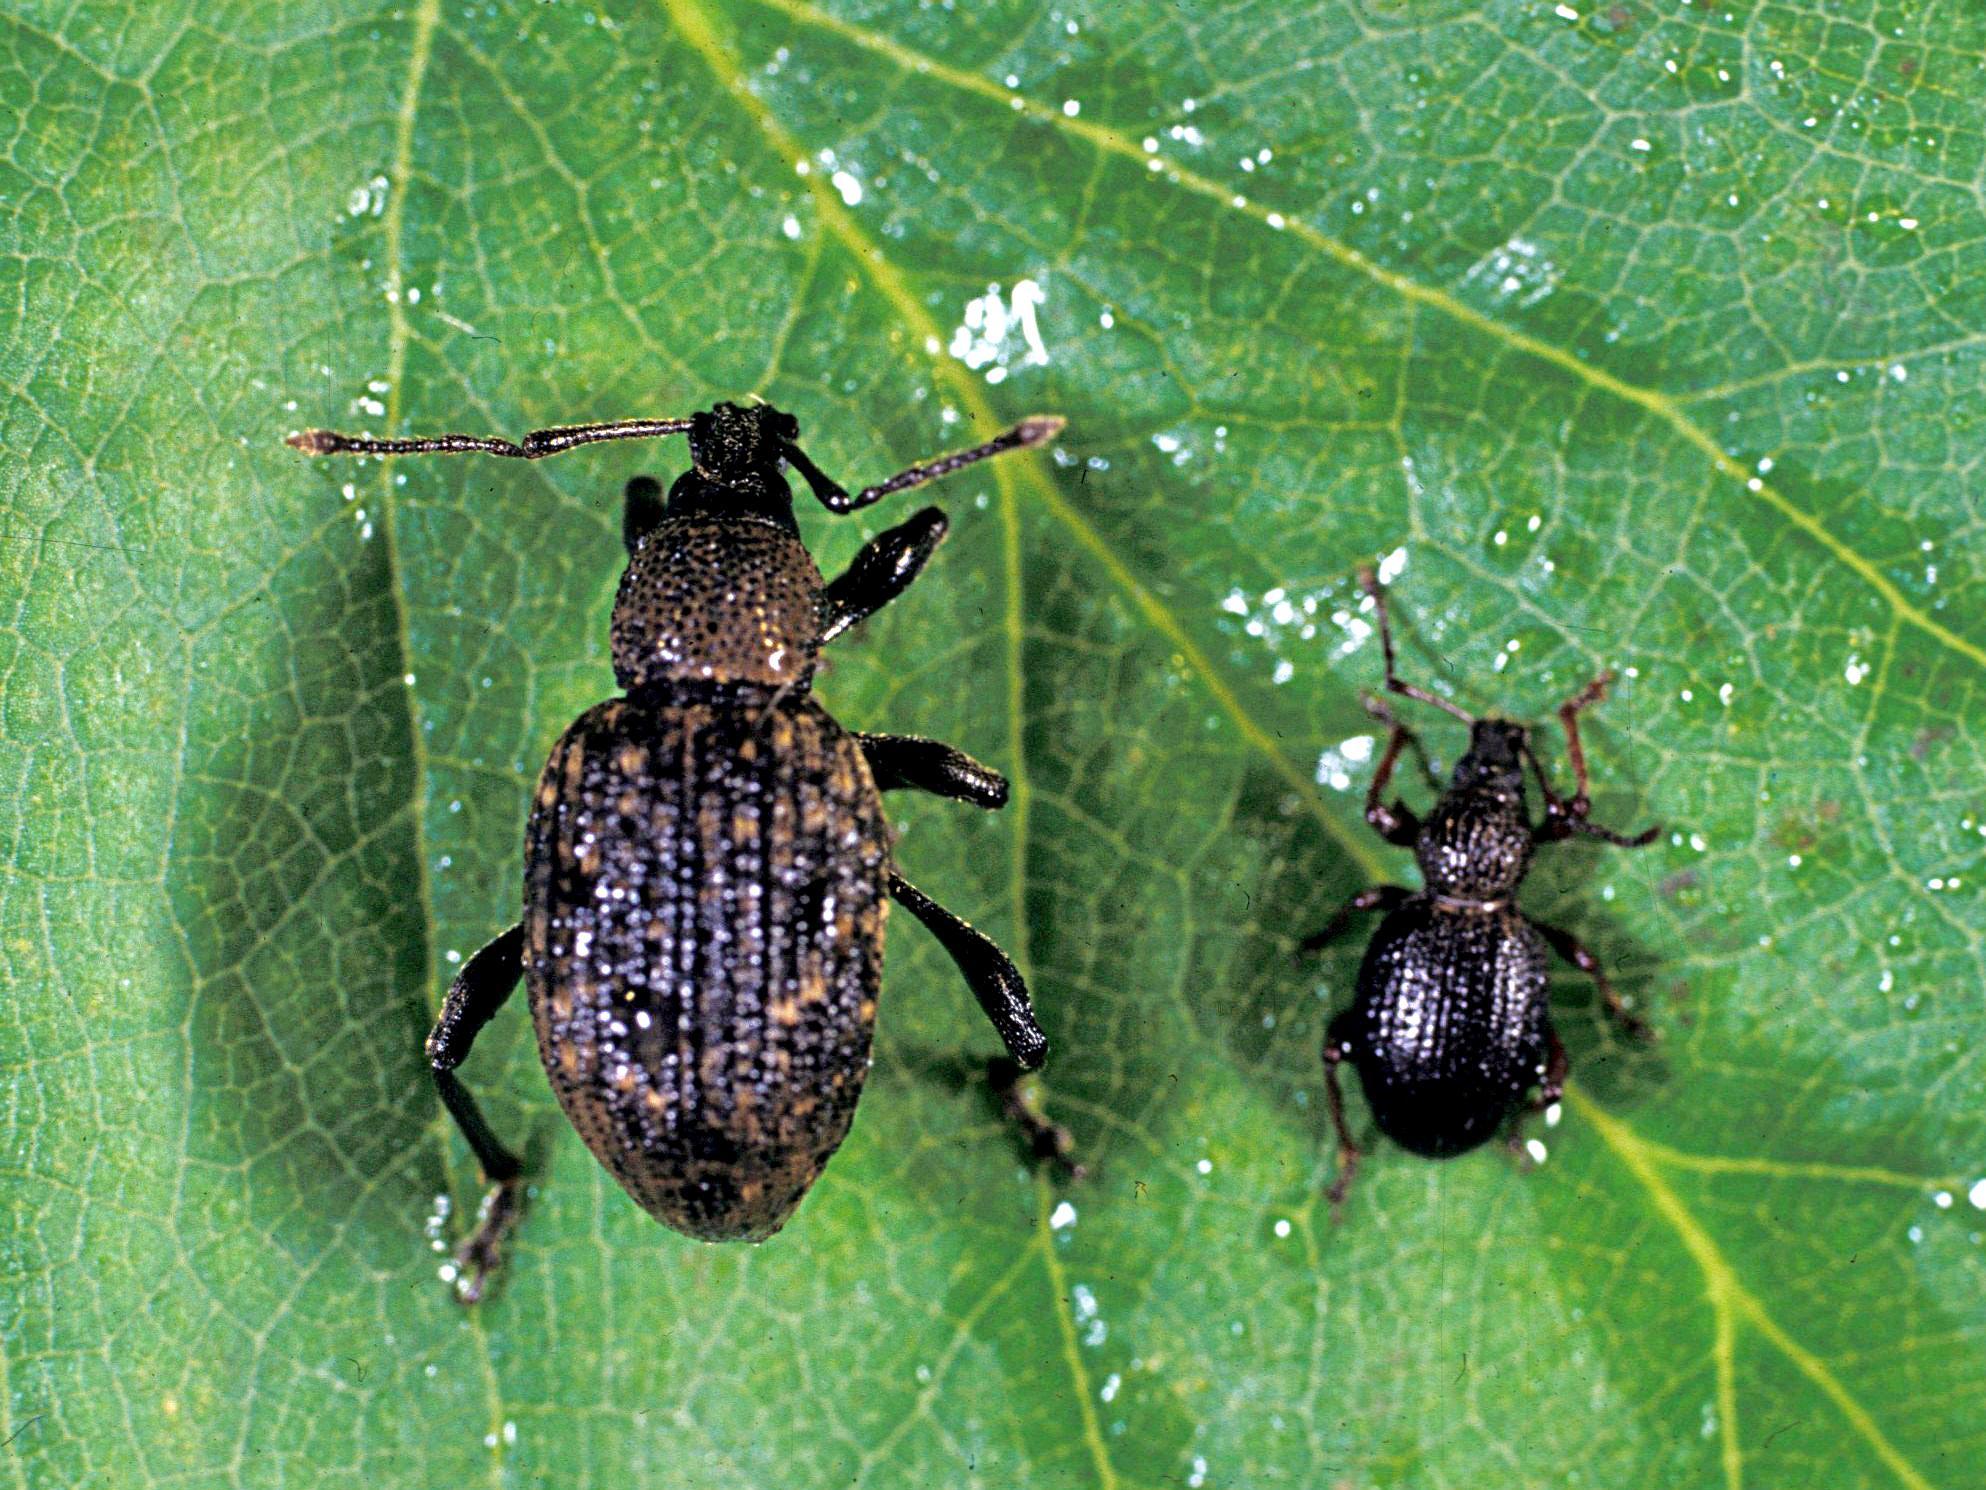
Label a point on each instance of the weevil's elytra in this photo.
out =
(1451, 1028)
(706, 1022)
(707, 862)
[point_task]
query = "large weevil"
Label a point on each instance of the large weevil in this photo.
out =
(707, 864)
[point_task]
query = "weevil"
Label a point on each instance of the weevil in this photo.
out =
(707, 865)
(1450, 1026)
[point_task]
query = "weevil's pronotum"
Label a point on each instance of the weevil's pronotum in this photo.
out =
(1451, 1027)
(707, 865)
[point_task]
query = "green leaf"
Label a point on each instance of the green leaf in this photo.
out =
(1642, 337)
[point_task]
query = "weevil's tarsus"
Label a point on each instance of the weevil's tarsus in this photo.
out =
(1335, 1054)
(1024, 1100)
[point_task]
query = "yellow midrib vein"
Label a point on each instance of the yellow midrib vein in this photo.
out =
(1728, 1296)
(1661, 405)
(695, 28)
(427, 19)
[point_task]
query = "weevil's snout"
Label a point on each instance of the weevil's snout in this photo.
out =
(1496, 750)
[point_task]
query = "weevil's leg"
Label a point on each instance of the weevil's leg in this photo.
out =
(1378, 709)
(1565, 817)
(642, 507)
(991, 975)
(1580, 805)
(932, 766)
(1394, 682)
(479, 990)
(535, 446)
(1337, 1048)
(1025, 1104)
(1569, 947)
(1031, 431)
(1397, 823)
(1378, 898)
(882, 571)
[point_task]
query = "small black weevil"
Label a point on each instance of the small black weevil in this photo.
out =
(707, 864)
(1450, 1027)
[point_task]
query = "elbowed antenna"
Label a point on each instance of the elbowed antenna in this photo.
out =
(534, 446)
(1034, 430)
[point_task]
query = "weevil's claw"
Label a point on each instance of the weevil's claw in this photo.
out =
(478, 1259)
(1037, 429)
(315, 442)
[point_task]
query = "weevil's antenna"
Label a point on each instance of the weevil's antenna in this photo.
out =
(1035, 430)
(534, 446)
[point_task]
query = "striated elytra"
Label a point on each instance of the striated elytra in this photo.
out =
(1450, 1027)
(707, 862)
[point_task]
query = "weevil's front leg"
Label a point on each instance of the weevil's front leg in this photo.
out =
(1569, 947)
(882, 571)
(1378, 898)
(642, 508)
(1337, 1048)
(931, 766)
(479, 990)
(989, 972)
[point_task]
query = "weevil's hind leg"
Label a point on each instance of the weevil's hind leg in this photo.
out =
(931, 766)
(1025, 1103)
(1394, 682)
(1569, 947)
(989, 972)
(535, 446)
(479, 990)
(882, 571)
(1377, 898)
(642, 506)
(1337, 1049)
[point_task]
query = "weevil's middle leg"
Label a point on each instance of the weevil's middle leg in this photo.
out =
(931, 766)
(1336, 1050)
(1377, 898)
(1570, 948)
(989, 973)
(482, 988)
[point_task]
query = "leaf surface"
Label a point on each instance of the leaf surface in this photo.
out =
(1632, 339)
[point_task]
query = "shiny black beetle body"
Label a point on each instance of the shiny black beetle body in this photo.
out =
(1450, 1028)
(707, 860)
